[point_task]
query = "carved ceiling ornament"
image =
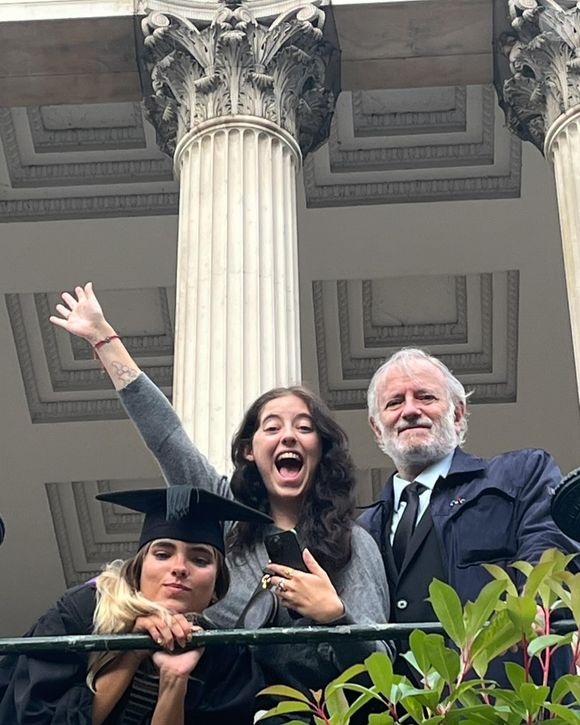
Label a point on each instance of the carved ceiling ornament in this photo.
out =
(285, 71)
(543, 49)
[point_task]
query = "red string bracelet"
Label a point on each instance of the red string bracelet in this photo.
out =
(105, 341)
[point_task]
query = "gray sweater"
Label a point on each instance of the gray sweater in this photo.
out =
(361, 584)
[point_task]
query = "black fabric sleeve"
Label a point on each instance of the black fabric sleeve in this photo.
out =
(49, 688)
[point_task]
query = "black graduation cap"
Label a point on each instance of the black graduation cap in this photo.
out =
(566, 505)
(184, 512)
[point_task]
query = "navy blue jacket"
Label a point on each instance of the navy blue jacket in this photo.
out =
(487, 510)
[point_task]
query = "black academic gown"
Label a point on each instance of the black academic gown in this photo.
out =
(50, 689)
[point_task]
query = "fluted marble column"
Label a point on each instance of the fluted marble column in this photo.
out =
(237, 102)
(562, 147)
(538, 82)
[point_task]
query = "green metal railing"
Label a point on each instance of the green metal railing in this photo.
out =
(273, 635)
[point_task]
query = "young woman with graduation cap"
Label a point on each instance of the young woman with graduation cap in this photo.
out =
(291, 460)
(178, 571)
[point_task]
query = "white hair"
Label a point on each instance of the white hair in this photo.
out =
(404, 360)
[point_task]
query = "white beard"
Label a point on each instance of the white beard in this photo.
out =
(442, 440)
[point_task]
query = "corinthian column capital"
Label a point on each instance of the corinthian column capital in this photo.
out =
(540, 81)
(239, 60)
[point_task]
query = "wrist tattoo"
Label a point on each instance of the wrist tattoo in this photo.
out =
(124, 372)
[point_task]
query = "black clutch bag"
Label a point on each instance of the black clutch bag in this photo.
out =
(261, 610)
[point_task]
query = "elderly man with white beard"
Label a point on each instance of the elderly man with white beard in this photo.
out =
(445, 512)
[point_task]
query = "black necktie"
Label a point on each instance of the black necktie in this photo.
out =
(407, 521)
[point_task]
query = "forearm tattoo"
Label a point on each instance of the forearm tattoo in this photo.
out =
(123, 372)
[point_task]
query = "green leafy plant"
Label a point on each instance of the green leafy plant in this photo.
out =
(452, 670)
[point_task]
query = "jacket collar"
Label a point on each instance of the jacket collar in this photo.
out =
(465, 463)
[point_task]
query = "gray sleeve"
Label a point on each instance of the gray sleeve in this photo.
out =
(363, 588)
(164, 435)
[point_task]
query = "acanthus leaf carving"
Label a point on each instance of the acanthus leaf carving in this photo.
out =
(543, 50)
(284, 71)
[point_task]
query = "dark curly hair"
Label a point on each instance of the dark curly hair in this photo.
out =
(327, 512)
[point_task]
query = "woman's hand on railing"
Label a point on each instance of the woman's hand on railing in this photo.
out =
(166, 634)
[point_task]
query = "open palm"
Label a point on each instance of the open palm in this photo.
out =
(81, 315)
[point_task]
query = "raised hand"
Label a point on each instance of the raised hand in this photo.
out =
(82, 315)
(311, 593)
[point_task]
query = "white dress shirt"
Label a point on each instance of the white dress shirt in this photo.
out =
(428, 478)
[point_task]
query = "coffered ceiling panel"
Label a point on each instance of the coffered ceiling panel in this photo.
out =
(403, 145)
(82, 161)
(90, 533)
(432, 144)
(469, 321)
(62, 380)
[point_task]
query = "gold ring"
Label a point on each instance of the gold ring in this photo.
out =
(288, 572)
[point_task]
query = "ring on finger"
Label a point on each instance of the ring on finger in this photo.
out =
(159, 641)
(288, 572)
(282, 586)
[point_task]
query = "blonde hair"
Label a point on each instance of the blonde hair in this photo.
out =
(120, 603)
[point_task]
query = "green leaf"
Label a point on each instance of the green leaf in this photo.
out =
(417, 642)
(478, 612)
(466, 693)
(478, 715)
(539, 644)
(495, 639)
(575, 687)
(516, 675)
(284, 691)
(533, 697)
(501, 575)
(380, 669)
(350, 673)
(283, 708)
(509, 699)
(444, 660)
(536, 577)
(447, 607)
(562, 687)
(573, 581)
(522, 611)
(568, 716)
(336, 704)
(414, 708)
(382, 718)
(362, 690)
(360, 701)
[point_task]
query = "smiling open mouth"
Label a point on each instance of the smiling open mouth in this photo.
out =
(289, 463)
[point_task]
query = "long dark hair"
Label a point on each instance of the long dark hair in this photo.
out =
(328, 507)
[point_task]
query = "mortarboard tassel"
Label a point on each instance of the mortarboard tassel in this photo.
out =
(178, 502)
